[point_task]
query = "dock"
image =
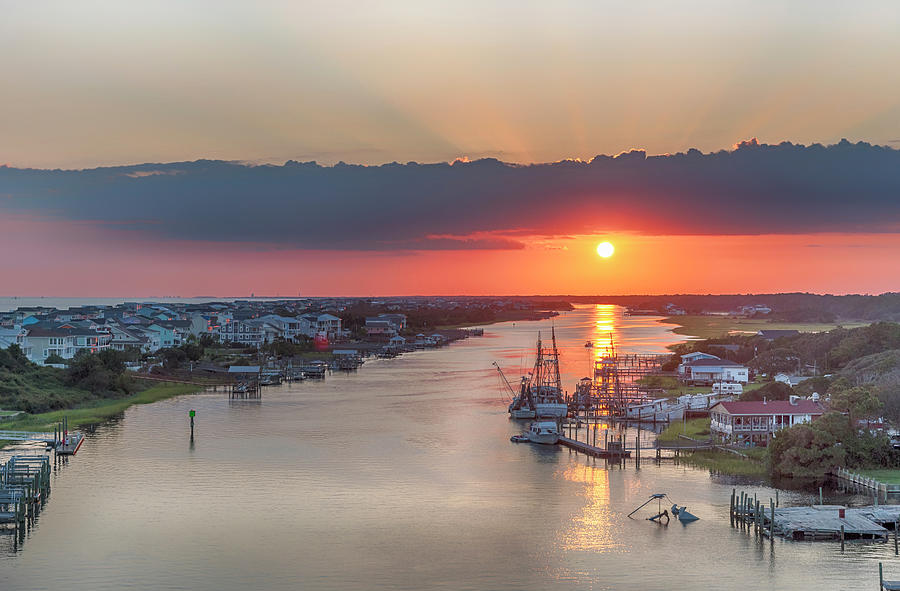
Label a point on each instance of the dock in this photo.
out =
(815, 522)
(24, 486)
(592, 450)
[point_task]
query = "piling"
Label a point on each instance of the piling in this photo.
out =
(842, 538)
(820, 496)
(731, 509)
(637, 451)
(776, 498)
(772, 523)
(896, 549)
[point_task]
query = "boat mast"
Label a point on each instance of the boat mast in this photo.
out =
(556, 361)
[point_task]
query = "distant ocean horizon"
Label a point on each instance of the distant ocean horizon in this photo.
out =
(8, 304)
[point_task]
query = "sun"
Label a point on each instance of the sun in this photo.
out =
(605, 249)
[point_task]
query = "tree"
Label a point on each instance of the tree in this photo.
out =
(809, 450)
(857, 402)
(770, 391)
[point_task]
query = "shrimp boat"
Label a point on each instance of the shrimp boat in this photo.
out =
(545, 385)
(540, 394)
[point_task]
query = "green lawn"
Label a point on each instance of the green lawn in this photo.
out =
(706, 327)
(725, 463)
(694, 428)
(886, 476)
(98, 412)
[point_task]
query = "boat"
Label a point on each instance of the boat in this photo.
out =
(661, 410)
(519, 439)
(545, 386)
(682, 514)
(270, 379)
(540, 393)
(544, 432)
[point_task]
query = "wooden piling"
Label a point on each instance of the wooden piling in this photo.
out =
(772, 523)
(842, 538)
(776, 498)
(731, 509)
(637, 451)
(896, 549)
(820, 496)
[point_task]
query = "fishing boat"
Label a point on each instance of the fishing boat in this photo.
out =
(544, 432)
(540, 393)
(545, 386)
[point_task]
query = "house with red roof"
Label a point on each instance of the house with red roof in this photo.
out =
(756, 421)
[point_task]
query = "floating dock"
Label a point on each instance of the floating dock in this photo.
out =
(815, 522)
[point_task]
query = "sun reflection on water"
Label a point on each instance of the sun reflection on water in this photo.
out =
(593, 529)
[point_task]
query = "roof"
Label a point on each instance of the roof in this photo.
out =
(771, 407)
(243, 369)
(713, 363)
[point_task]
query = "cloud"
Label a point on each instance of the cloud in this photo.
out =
(483, 204)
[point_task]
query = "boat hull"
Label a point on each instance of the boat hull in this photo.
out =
(551, 409)
(544, 439)
(522, 413)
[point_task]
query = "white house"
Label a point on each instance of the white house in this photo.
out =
(790, 380)
(691, 357)
(326, 324)
(15, 336)
(709, 371)
(288, 328)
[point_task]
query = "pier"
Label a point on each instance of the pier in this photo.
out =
(814, 522)
(24, 486)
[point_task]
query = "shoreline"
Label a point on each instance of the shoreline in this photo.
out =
(699, 327)
(98, 413)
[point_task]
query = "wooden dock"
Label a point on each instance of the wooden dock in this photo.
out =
(814, 522)
(592, 450)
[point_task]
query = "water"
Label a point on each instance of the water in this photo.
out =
(400, 476)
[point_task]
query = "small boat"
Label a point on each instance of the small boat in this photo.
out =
(519, 439)
(682, 514)
(545, 432)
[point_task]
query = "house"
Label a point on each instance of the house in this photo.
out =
(246, 332)
(15, 336)
(287, 328)
(790, 380)
(326, 324)
(709, 371)
(124, 338)
(691, 357)
(771, 335)
(49, 341)
(756, 421)
(376, 327)
(397, 341)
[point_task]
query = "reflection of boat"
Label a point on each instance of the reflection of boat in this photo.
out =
(588, 345)
(545, 432)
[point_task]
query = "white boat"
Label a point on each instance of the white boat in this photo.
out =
(522, 413)
(546, 410)
(661, 410)
(545, 432)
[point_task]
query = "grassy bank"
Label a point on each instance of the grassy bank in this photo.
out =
(886, 476)
(694, 428)
(94, 413)
(707, 327)
(715, 460)
(723, 462)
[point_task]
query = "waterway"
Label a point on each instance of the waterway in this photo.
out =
(398, 476)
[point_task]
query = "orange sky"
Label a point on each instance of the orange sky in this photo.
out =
(80, 260)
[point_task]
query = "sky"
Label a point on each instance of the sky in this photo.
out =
(549, 126)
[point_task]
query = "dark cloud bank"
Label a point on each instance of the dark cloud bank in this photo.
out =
(753, 189)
